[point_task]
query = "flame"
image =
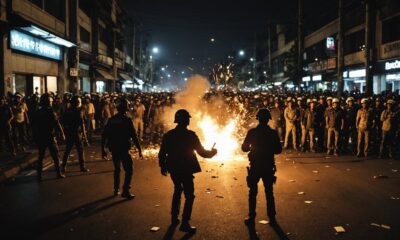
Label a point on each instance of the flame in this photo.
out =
(223, 136)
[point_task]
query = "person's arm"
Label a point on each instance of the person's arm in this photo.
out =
(277, 143)
(135, 138)
(26, 114)
(358, 118)
(383, 116)
(246, 146)
(58, 126)
(104, 138)
(10, 116)
(201, 151)
(162, 157)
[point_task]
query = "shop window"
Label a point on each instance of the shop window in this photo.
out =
(56, 8)
(52, 84)
(354, 42)
(391, 30)
(18, 83)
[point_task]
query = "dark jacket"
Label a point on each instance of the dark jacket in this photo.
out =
(262, 143)
(177, 152)
(119, 131)
(44, 123)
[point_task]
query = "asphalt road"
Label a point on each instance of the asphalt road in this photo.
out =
(342, 190)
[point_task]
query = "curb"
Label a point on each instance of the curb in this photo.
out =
(19, 165)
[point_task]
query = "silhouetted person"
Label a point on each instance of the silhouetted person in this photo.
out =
(177, 157)
(45, 123)
(73, 126)
(262, 143)
(117, 135)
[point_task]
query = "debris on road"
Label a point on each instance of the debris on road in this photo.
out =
(395, 170)
(264, 222)
(380, 177)
(308, 202)
(235, 178)
(292, 180)
(348, 169)
(300, 193)
(214, 176)
(155, 229)
(395, 198)
(315, 171)
(327, 166)
(157, 205)
(220, 196)
(384, 226)
(339, 229)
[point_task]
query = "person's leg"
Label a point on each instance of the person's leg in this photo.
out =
(81, 156)
(287, 134)
(188, 190)
(294, 137)
(329, 140)
(117, 171)
(176, 199)
(359, 141)
(312, 140)
(366, 142)
(303, 138)
(68, 148)
(336, 147)
(382, 148)
(269, 194)
(42, 150)
(127, 163)
(53, 148)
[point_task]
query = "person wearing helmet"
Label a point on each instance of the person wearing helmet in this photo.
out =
(320, 124)
(309, 127)
(44, 125)
(334, 124)
(277, 118)
(350, 130)
(364, 122)
(262, 143)
(388, 119)
(177, 157)
(138, 117)
(19, 122)
(376, 132)
(89, 112)
(6, 117)
(291, 116)
(117, 135)
(74, 124)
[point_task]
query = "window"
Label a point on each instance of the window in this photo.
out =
(56, 8)
(38, 3)
(86, 6)
(354, 42)
(391, 30)
(84, 35)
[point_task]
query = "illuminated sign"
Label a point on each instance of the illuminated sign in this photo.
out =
(330, 43)
(392, 65)
(36, 46)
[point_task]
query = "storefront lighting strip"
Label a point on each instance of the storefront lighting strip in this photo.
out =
(48, 36)
(317, 78)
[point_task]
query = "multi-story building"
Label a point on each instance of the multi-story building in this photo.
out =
(320, 54)
(62, 45)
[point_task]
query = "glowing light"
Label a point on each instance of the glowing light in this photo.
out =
(241, 53)
(224, 137)
(155, 50)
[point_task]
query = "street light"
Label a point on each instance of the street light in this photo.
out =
(251, 59)
(212, 40)
(163, 69)
(155, 50)
(241, 53)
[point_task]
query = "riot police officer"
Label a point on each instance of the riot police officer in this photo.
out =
(117, 135)
(262, 143)
(44, 124)
(74, 125)
(177, 157)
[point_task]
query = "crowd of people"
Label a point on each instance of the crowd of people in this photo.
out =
(314, 122)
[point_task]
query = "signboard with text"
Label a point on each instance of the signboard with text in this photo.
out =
(26, 43)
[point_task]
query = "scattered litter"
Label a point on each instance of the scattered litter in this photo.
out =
(327, 157)
(395, 170)
(387, 227)
(221, 165)
(214, 176)
(308, 202)
(327, 166)
(395, 198)
(265, 222)
(317, 180)
(315, 171)
(291, 180)
(235, 178)
(157, 205)
(71, 155)
(300, 193)
(381, 177)
(154, 229)
(348, 169)
(339, 229)
(287, 159)
(219, 196)
(91, 156)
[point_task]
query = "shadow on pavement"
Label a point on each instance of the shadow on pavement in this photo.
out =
(39, 227)
(169, 235)
(252, 232)
(278, 230)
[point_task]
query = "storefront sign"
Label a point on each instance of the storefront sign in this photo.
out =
(390, 50)
(330, 43)
(73, 72)
(36, 46)
(392, 65)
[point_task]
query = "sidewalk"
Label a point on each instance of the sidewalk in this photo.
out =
(11, 166)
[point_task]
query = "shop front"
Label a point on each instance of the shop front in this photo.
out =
(104, 80)
(32, 65)
(388, 77)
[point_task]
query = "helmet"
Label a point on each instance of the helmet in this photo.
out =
(390, 101)
(181, 115)
(349, 99)
(289, 99)
(309, 100)
(263, 113)
(364, 100)
(45, 100)
(123, 105)
(335, 100)
(76, 101)
(329, 98)
(299, 99)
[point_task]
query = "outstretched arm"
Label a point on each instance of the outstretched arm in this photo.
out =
(203, 152)
(246, 146)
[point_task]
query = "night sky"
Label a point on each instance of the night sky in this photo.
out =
(183, 29)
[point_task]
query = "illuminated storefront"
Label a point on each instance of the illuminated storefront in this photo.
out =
(389, 75)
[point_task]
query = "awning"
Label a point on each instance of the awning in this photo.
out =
(104, 74)
(125, 76)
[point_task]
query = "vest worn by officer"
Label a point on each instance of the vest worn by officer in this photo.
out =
(177, 151)
(263, 143)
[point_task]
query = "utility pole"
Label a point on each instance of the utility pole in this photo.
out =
(299, 42)
(133, 52)
(340, 57)
(369, 52)
(255, 59)
(269, 50)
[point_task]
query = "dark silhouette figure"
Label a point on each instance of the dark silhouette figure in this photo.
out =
(177, 157)
(117, 135)
(73, 125)
(44, 124)
(262, 143)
